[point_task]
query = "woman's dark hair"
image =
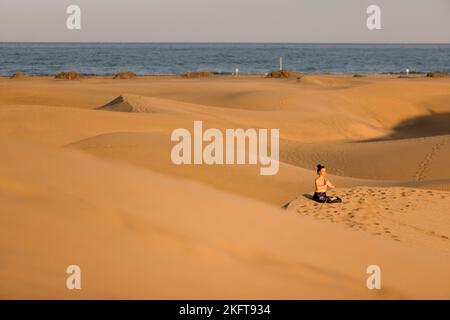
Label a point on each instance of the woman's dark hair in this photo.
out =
(319, 167)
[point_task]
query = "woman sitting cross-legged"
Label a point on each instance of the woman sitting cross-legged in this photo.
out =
(322, 185)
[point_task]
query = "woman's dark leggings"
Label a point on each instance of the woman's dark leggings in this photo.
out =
(323, 198)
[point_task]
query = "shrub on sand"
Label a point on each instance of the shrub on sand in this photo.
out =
(19, 75)
(437, 74)
(287, 74)
(68, 75)
(125, 75)
(197, 74)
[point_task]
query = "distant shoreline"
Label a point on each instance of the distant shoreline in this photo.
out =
(106, 59)
(220, 75)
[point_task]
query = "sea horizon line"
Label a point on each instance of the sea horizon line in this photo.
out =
(224, 42)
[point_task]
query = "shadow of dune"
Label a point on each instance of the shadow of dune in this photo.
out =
(433, 124)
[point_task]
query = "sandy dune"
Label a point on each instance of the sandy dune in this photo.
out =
(401, 214)
(86, 178)
(416, 159)
(138, 234)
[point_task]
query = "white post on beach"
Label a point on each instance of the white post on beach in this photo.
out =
(407, 72)
(281, 63)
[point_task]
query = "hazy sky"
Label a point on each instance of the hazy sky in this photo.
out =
(226, 21)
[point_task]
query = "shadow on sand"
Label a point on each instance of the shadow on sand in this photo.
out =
(433, 124)
(306, 195)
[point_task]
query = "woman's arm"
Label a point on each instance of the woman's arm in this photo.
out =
(317, 184)
(330, 185)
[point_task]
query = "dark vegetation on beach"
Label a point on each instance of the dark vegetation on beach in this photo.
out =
(203, 74)
(68, 75)
(437, 74)
(287, 74)
(276, 74)
(18, 75)
(125, 75)
(197, 74)
(404, 72)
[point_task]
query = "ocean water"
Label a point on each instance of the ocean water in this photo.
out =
(175, 58)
